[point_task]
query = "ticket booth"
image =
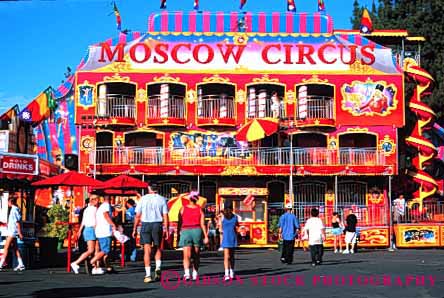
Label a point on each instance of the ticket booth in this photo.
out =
(250, 206)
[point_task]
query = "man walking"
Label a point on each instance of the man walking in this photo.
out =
(13, 231)
(316, 237)
(288, 226)
(104, 230)
(130, 214)
(152, 211)
(350, 232)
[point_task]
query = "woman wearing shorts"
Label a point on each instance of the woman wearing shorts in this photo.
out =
(88, 226)
(192, 230)
(337, 228)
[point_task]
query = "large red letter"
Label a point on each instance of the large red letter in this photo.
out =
(307, 55)
(287, 48)
(265, 53)
(321, 53)
(227, 51)
(161, 49)
(352, 54)
(210, 52)
(176, 49)
(106, 48)
(368, 52)
(146, 52)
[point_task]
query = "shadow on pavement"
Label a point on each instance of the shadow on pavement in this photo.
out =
(5, 283)
(84, 292)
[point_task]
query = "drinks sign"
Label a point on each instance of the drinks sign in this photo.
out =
(15, 164)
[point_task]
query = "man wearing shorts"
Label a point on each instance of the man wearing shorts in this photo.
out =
(152, 211)
(104, 230)
(350, 232)
(14, 230)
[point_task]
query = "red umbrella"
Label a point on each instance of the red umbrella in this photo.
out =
(124, 182)
(71, 178)
(120, 192)
(257, 129)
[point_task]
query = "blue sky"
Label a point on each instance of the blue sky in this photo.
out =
(42, 37)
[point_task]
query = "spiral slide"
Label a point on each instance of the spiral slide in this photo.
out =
(426, 150)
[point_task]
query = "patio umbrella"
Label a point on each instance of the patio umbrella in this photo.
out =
(71, 178)
(124, 182)
(120, 192)
(257, 129)
(174, 205)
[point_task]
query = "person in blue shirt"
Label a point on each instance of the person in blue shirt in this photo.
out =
(288, 228)
(130, 214)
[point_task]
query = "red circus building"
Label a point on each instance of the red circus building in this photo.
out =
(259, 109)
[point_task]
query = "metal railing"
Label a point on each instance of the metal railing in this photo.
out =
(236, 156)
(215, 107)
(315, 107)
(116, 105)
(173, 107)
(431, 212)
(271, 109)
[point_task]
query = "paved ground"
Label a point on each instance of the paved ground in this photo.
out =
(370, 273)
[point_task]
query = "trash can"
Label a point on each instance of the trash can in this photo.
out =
(48, 251)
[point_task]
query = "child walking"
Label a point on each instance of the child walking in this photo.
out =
(316, 236)
(229, 242)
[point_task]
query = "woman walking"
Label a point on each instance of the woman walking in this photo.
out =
(211, 227)
(229, 242)
(192, 229)
(338, 227)
(88, 225)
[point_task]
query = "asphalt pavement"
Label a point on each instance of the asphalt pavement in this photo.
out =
(369, 273)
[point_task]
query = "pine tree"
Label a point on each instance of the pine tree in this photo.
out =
(420, 18)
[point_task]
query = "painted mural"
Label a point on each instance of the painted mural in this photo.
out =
(57, 136)
(369, 98)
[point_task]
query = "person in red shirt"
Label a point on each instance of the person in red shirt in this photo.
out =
(192, 230)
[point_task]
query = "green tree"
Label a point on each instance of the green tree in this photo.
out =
(419, 18)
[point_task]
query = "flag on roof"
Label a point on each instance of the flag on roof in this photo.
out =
(366, 22)
(38, 109)
(291, 6)
(196, 4)
(321, 5)
(118, 19)
(163, 4)
(242, 3)
(9, 114)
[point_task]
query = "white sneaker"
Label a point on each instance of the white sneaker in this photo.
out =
(75, 268)
(195, 275)
(346, 251)
(336, 251)
(221, 249)
(231, 274)
(352, 251)
(97, 271)
(186, 277)
(19, 268)
(227, 278)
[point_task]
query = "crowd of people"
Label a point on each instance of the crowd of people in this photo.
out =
(149, 218)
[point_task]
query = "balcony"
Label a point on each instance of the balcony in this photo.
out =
(120, 107)
(216, 110)
(315, 111)
(268, 107)
(320, 157)
(164, 111)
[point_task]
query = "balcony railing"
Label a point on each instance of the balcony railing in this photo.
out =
(116, 105)
(235, 156)
(216, 107)
(171, 107)
(315, 107)
(271, 108)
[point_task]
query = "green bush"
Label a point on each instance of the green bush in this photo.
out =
(58, 217)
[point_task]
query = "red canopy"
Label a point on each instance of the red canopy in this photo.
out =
(71, 178)
(120, 192)
(124, 182)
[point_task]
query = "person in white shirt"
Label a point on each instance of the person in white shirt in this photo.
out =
(14, 229)
(152, 212)
(399, 209)
(104, 230)
(88, 226)
(315, 230)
